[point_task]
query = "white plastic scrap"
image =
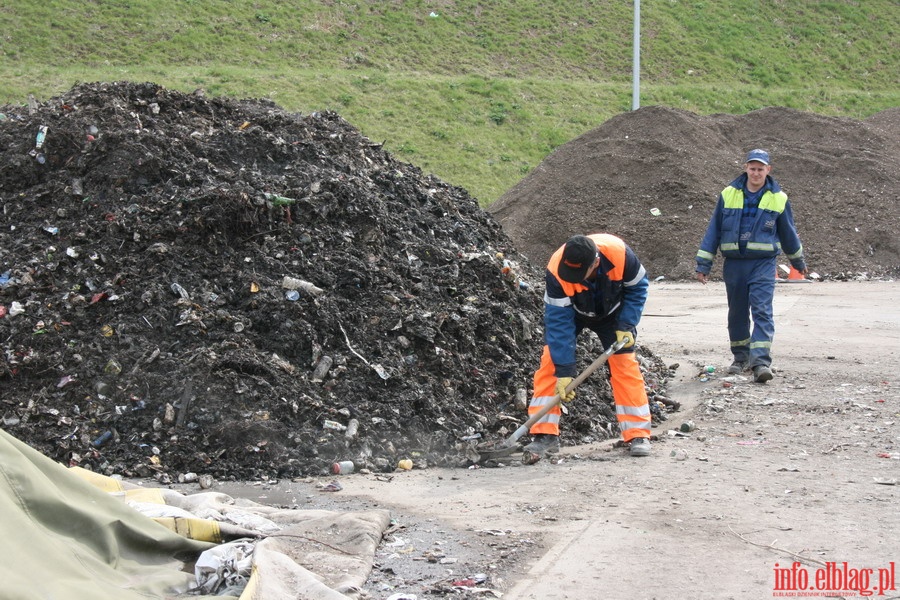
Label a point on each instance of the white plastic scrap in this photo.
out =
(292, 283)
(252, 522)
(224, 565)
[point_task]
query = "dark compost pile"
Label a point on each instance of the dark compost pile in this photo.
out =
(194, 284)
(652, 176)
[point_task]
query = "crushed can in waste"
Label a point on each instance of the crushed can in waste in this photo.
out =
(322, 368)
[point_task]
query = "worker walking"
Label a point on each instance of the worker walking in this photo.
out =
(751, 224)
(594, 282)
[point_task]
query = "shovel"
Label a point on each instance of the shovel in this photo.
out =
(511, 444)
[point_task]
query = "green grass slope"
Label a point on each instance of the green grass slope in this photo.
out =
(477, 93)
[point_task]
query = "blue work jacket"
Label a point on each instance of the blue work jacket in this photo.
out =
(771, 232)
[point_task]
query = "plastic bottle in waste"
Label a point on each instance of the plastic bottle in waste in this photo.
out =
(344, 467)
(102, 439)
(41, 136)
(333, 425)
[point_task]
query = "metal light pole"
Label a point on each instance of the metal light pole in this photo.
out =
(636, 66)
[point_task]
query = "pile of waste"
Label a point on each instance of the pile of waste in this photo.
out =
(206, 285)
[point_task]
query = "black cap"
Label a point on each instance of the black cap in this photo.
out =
(577, 259)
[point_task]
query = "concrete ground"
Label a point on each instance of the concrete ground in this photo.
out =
(786, 485)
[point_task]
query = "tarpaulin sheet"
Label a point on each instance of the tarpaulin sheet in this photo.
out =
(71, 535)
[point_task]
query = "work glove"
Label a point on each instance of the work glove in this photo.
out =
(625, 336)
(561, 384)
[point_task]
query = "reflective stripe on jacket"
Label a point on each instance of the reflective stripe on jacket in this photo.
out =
(771, 232)
(617, 295)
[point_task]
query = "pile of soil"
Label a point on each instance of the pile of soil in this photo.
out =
(216, 286)
(841, 175)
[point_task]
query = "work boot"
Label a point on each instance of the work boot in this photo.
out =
(737, 367)
(761, 373)
(640, 446)
(543, 443)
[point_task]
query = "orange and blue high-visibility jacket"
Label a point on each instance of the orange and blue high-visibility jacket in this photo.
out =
(615, 298)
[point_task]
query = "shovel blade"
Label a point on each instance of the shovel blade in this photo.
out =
(505, 448)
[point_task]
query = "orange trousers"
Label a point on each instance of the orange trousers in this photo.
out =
(632, 409)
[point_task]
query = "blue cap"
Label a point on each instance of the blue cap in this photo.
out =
(758, 156)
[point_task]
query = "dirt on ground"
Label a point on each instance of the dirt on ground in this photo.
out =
(841, 176)
(194, 285)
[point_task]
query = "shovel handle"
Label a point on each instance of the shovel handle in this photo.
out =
(598, 362)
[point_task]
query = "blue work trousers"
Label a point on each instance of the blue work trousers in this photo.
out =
(750, 285)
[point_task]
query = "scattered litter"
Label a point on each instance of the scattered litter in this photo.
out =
(292, 283)
(333, 486)
(225, 565)
(497, 532)
(885, 481)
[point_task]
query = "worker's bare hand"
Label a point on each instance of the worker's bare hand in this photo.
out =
(701, 277)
